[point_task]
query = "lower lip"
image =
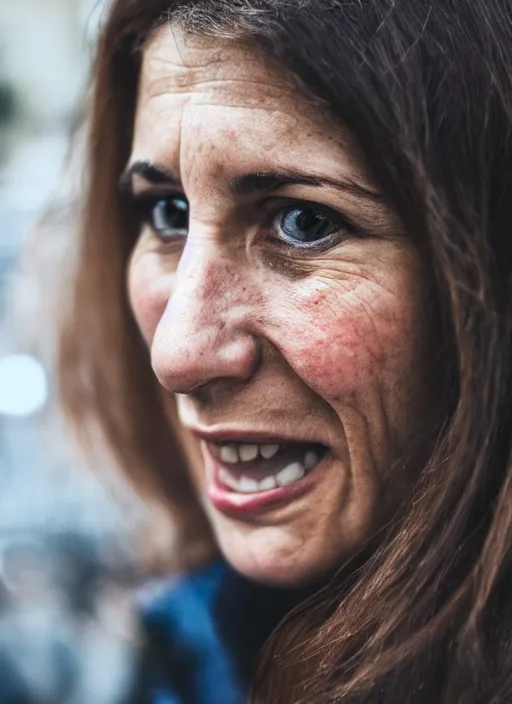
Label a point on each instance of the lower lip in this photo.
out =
(240, 505)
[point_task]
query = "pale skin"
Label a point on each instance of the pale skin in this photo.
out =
(252, 332)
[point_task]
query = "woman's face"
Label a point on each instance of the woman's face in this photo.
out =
(284, 307)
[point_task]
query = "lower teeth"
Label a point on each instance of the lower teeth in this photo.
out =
(290, 474)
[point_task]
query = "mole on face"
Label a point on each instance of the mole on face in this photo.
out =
(288, 318)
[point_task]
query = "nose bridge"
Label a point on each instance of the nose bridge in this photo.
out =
(201, 283)
(202, 336)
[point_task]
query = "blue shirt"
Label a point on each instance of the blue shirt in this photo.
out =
(204, 634)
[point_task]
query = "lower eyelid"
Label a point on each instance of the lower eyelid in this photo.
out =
(289, 248)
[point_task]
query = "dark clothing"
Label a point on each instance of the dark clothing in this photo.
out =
(204, 634)
(13, 688)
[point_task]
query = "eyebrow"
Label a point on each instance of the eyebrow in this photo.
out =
(250, 183)
(149, 172)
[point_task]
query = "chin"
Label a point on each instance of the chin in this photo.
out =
(270, 561)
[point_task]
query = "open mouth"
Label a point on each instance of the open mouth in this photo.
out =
(250, 468)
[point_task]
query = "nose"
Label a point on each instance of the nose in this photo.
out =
(203, 335)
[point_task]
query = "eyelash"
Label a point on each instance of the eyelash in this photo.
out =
(274, 208)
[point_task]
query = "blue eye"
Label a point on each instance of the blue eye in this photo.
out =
(169, 217)
(305, 225)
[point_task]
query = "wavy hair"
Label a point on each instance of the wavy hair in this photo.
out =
(426, 90)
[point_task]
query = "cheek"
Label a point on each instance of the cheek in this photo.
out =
(343, 342)
(149, 289)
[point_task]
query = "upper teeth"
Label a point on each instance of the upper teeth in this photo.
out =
(310, 459)
(248, 452)
(268, 451)
(231, 453)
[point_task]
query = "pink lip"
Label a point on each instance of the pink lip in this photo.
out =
(246, 505)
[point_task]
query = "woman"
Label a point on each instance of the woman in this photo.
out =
(295, 266)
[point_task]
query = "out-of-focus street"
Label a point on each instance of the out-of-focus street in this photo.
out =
(68, 631)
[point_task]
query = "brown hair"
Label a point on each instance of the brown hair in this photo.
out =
(426, 89)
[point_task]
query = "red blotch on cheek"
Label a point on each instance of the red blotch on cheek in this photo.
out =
(339, 345)
(333, 358)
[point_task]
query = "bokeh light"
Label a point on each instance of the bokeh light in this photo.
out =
(23, 386)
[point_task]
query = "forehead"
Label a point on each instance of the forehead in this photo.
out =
(228, 104)
(203, 69)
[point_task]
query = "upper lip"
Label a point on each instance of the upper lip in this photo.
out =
(224, 435)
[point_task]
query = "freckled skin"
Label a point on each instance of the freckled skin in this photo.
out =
(258, 337)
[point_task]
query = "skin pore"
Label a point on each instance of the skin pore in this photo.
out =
(294, 309)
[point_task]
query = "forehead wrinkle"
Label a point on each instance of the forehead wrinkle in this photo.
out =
(222, 96)
(159, 77)
(215, 70)
(290, 122)
(186, 51)
(163, 62)
(221, 90)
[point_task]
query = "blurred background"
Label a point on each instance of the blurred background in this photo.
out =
(68, 575)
